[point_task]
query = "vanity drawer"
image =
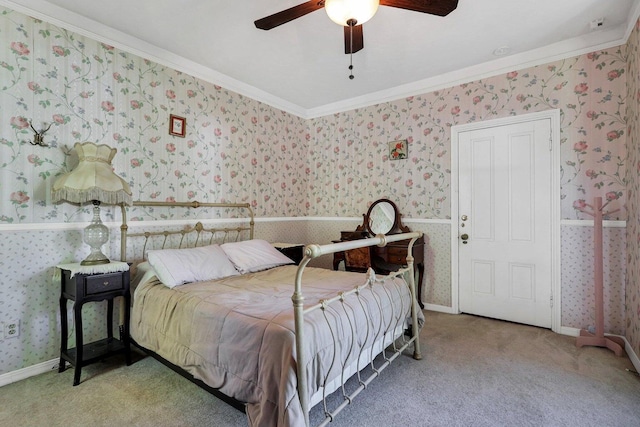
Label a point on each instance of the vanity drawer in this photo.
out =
(396, 255)
(103, 283)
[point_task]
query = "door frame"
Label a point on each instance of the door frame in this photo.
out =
(554, 117)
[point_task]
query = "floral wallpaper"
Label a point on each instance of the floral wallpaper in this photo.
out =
(348, 151)
(235, 148)
(632, 312)
(242, 150)
(238, 149)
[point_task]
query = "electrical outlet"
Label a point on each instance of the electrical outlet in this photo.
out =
(12, 329)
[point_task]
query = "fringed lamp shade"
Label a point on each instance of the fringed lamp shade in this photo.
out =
(93, 180)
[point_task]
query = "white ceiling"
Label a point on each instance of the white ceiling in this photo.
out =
(301, 67)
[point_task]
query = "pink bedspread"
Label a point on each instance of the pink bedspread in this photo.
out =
(237, 334)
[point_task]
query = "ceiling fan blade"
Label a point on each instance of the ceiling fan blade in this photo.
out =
(358, 39)
(432, 7)
(287, 15)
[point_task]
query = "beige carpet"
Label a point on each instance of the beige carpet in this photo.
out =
(475, 372)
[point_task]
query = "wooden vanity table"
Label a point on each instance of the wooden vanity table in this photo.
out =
(382, 217)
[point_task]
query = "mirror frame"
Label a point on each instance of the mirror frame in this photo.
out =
(397, 226)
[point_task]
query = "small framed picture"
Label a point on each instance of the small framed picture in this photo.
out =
(177, 126)
(398, 150)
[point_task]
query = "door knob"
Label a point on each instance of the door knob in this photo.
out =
(464, 238)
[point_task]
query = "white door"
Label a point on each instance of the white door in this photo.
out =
(505, 209)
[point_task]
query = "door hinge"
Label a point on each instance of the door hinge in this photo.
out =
(551, 301)
(550, 140)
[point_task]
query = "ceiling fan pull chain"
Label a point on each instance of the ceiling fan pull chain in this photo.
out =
(351, 77)
(352, 23)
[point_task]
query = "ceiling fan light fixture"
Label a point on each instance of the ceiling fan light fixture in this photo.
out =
(343, 11)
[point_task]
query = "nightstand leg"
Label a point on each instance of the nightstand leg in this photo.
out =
(126, 340)
(77, 312)
(64, 330)
(110, 319)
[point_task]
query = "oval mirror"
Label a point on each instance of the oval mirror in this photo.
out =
(382, 217)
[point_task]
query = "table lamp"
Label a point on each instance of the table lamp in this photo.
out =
(93, 180)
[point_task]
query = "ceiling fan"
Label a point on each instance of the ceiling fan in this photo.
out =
(351, 14)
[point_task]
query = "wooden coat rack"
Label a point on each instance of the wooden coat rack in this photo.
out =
(598, 338)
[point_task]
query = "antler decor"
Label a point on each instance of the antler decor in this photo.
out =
(38, 137)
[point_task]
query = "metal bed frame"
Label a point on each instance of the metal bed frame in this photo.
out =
(392, 340)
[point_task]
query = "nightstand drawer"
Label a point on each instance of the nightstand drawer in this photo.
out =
(103, 283)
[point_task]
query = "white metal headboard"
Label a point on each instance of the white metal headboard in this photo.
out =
(198, 228)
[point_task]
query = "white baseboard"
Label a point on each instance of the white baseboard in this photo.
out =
(632, 355)
(31, 371)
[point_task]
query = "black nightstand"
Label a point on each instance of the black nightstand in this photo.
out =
(84, 288)
(292, 250)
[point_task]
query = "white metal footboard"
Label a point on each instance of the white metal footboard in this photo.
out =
(387, 335)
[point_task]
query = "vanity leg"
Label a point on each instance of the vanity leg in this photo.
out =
(338, 257)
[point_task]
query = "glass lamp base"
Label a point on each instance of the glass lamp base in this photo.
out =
(96, 234)
(99, 260)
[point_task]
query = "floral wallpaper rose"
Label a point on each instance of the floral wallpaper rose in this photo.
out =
(238, 149)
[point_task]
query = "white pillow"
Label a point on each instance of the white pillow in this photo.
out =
(178, 266)
(254, 255)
